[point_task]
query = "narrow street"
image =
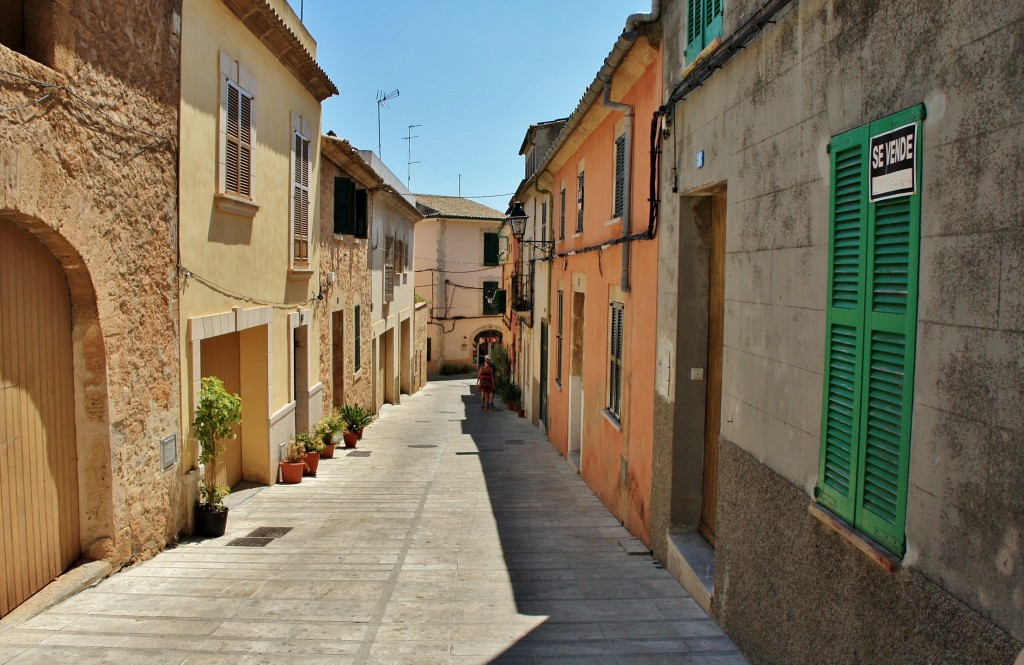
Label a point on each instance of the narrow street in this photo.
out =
(450, 535)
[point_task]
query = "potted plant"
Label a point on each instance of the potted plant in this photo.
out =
(294, 462)
(362, 419)
(512, 395)
(313, 446)
(329, 429)
(351, 417)
(217, 414)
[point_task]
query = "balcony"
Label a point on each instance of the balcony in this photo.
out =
(522, 291)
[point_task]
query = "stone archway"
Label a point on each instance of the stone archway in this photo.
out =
(87, 428)
(483, 341)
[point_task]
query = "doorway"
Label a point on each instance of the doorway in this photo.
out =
(576, 381)
(338, 358)
(713, 394)
(483, 342)
(300, 378)
(220, 357)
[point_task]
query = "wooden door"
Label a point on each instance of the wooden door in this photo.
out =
(221, 358)
(713, 396)
(39, 527)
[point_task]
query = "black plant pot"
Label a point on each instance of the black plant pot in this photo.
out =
(211, 523)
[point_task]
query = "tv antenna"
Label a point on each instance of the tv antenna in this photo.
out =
(382, 100)
(408, 167)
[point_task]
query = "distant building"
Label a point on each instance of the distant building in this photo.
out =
(529, 270)
(458, 270)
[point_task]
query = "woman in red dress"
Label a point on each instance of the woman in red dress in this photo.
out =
(485, 384)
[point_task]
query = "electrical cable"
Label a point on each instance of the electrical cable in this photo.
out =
(188, 274)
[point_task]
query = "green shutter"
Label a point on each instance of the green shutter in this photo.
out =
(837, 467)
(344, 206)
(491, 253)
(874, 251)
(490, 298)
(499, 302)
(703, 24)
(620, 174)
(361, 213)
(894, 240)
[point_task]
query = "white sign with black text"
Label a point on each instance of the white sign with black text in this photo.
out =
(894, 163)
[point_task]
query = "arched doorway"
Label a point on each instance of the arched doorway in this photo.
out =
(482, 344)
(39, 514)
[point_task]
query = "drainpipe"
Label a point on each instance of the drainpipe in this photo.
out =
(629, 34)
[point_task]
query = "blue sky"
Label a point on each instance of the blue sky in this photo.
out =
(474, 75)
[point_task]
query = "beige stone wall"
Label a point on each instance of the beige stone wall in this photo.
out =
(421, 317)
(90, 170)
(348, 258)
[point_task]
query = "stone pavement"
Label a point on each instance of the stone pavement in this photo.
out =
(451, 535)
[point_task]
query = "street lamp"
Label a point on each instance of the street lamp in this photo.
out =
(517, 221)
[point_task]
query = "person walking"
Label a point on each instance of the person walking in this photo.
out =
(485, 383)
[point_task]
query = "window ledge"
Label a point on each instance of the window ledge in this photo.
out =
(558, 384)
(358, 374)
(235, 205)
(578, 234)
(613, 221)
(878, 554)
(610, 417)
(299, 273)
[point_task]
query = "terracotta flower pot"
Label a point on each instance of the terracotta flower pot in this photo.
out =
(350, 439)
(291, 472)
(522, 413)
(359, 434)
(328, 451)
(312, 462)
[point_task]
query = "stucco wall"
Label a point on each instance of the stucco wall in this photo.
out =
(764, 121)
(236, 260)
(616, 457)
(101, 198)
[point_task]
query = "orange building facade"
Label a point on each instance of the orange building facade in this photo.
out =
(603, 309)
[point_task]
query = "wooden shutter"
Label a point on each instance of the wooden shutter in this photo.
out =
(238, 141)
(891, 288)
(357, 338)
(300, 200)
(837, 467)
(615, 360)
(561, 217)
(362, 205)
(561, 329)
(344, 206)
(703, 24)
(620, 174)
(389, 268)
(491, 249)
(544, 220)
(579, 202)
(490, 297)
(874, 251)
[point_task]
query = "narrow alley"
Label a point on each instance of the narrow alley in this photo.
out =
(434, 541)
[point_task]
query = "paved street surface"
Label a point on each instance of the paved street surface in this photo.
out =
(451, 535)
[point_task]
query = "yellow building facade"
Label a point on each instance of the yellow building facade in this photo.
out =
(248, 263)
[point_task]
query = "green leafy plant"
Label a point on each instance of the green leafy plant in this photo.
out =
(329, 425)
(217, 414)
(355, 417)
(311, 443)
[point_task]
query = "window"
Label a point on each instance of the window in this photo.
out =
(429, 350)
(561, 216)
(491, 251)
(558, 350)
(344, 206)
(703, 25)
(35, 28)
(357, 338)
(579, 202)
(544, 220)
(300, 201)
(871, 325)
(494, 299)
(362, 204)
(615, 360)
(620, 175)
(389, 268)
(237, 141)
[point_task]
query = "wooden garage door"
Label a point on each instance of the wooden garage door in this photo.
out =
(39, 530)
